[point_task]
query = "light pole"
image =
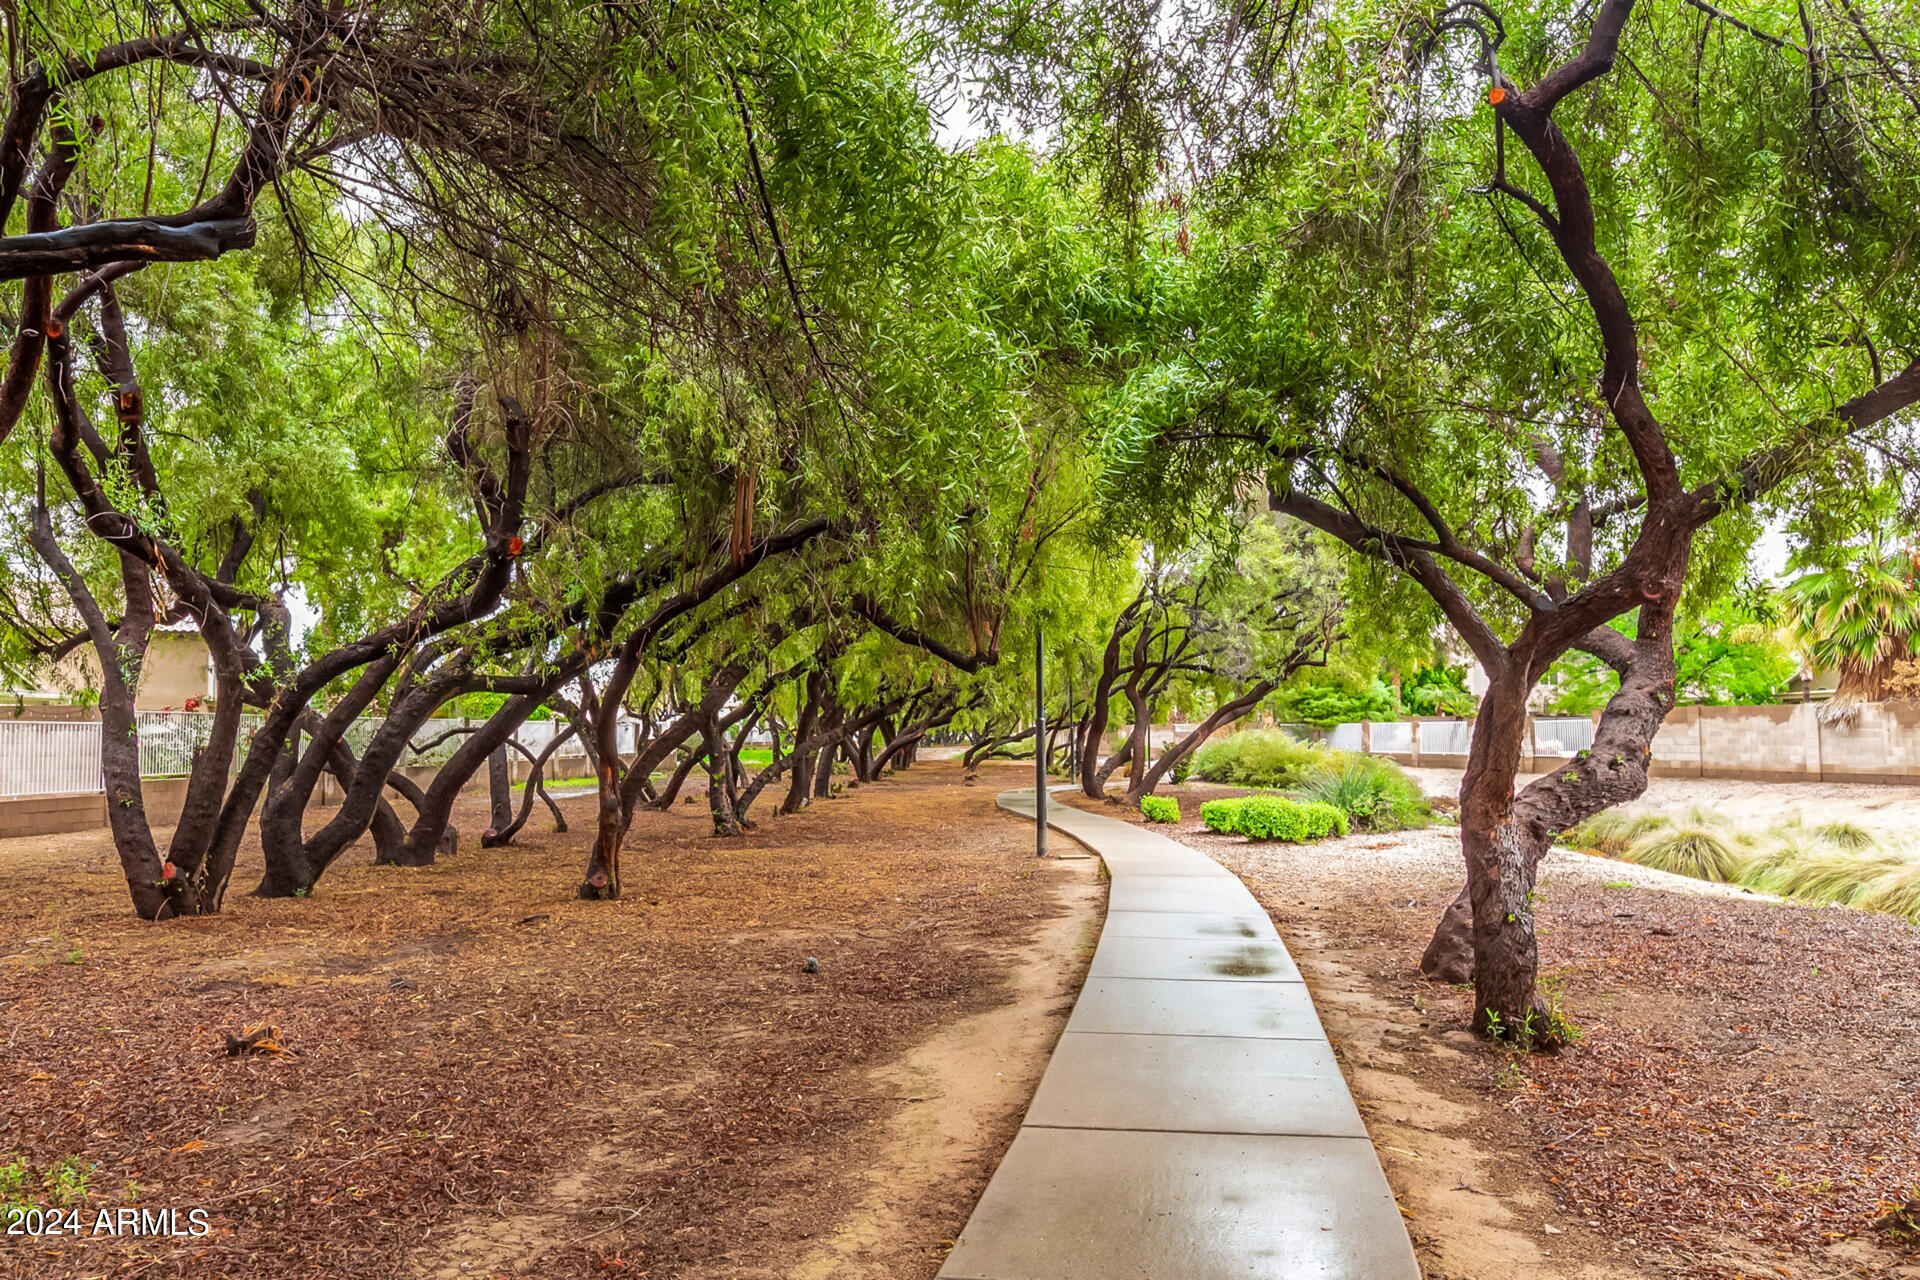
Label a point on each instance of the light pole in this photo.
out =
(1039, 741)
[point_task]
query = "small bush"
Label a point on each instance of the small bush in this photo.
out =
(1255, 758)
(1159, 809)
(1324, 820)
(1271, 818)
(1218, 815)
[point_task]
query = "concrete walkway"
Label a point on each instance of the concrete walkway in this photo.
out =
(1192, 1124)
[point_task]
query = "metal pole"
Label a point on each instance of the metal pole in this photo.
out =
(1039, 741)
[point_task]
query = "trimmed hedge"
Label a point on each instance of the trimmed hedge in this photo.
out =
(1273, 818)
(1160, 808)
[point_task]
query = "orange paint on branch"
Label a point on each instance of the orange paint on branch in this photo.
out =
(514, 545)
(1496, 95)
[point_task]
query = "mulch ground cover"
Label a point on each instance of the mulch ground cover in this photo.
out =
(481, 1067)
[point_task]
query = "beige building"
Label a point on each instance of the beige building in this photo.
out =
(177, 668)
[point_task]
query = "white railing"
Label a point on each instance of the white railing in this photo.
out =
(1562, 736)
(1344, 737)
(1445, 737)
(169, 740)
(62, 757)
(49, 758)
(1392, 737)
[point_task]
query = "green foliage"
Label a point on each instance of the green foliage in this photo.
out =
(1218, 815)
(1858, 613)
(61, 1186)
(1255, 758)
(1267, 817)
(1375, 793)
(1160, 808)
(1324, 820)
(1733, 655)
(1270, 818)
(1325, 701)
(1438, 691)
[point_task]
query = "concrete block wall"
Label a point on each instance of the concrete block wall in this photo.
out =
(1785, 743)
(50, 815)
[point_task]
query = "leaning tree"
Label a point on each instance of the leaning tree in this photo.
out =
(1229, 621)
(1541, 313)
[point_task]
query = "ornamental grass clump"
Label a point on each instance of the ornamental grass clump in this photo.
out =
(1703, 852)
(1895, 891)
(1827, 876)
(1609, 833)
(1834, 864)
(1375, 794)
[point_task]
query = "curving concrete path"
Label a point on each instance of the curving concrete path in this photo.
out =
(1192, 1123)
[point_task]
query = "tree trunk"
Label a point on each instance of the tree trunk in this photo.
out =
(435, 807)
(289, 873)
(536, 786)
(1226, 713)
(681, 772)
(499, 794)
(1504, 837)
(719, 797)
(1142, 739)
(120, 652)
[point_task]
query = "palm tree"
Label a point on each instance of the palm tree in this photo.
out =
(1858, 618)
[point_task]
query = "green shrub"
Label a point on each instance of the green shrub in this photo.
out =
(1271, 818)
(1255, 758)
(1159, 809)
(1324, 820)
(1376, 794)
(1218, 815)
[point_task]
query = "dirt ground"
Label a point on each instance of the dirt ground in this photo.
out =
(490, 1077)
(1744, 1100)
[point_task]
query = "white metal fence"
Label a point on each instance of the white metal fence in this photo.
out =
(1393, 737)
(1344, 737)
(1445, 737)
(1562, 736)
(49, 757)
(62, 757)
(1552, 736)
